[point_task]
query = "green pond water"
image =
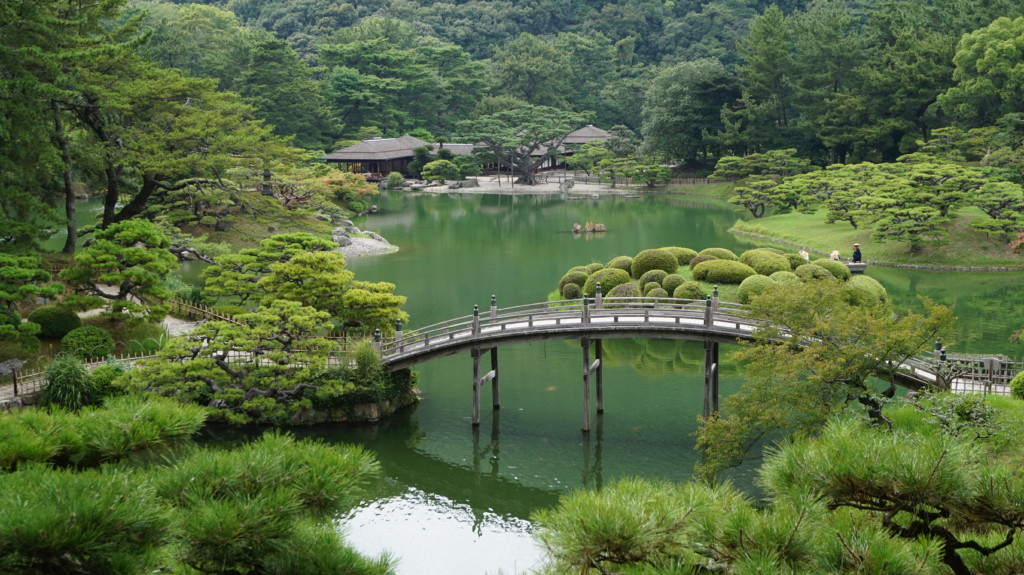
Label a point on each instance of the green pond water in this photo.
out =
(456, 500)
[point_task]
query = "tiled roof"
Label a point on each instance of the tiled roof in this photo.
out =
(586, 134)
(389, 149)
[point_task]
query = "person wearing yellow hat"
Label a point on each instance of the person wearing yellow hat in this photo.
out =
(856, 253)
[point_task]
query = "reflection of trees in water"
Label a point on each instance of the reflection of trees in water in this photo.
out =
(660, 357)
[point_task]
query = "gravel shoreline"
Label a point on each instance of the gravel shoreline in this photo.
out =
(366, 247)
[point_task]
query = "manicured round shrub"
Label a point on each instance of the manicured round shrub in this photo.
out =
(395, 180)
(813, 272)
(657, 292)
(837, 269)
(594, 267)
(671, 282)
(765, 262)
(651, 286)
(624, 263)
(700, 259)
(795, 260)
(858, 295)
(101, 380)
(648, 260)
(785, 277)
(88, 342)
(578, 277)
(653, 276)
(579, 269)
(871, 284)
(722, 272)
(571, 291)
(684, 255)
(774, 251)
(608, 278)
(720, 253)
(55, 321)
(1017, 386)
(625, 290)
(754, 286)
(688, 290)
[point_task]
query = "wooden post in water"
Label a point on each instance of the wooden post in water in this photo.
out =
(598, 352)
(585, 343)
(495, 400)
(710, 376)
(478, 382)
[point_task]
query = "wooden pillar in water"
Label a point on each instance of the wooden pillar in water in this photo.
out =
(495, 399)
(475, 352)
(710, 376)
(585, 343)
(598, 352)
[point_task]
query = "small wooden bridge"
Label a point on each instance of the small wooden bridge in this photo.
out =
(711, 321)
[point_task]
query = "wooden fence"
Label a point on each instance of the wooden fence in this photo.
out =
(558, 177)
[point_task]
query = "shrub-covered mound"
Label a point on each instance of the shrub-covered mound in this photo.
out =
(683, 255)
(625, 290)
(88, 342)
(870, 284)
(624, 263)
(573, 277)
(795, 260)
(785, 277)
(656, 276)
(1017, 386)
(837, 269)
(657, 292)
(720, 253)
(608, 278)
(658, 259)
(594, 267)
(701, 259)
(649, 286)
(765, 261)
(813, 271)
(55, 321)
(722, 271)
(688, 290)
(671, 282)
(754, 286)
(571, 291)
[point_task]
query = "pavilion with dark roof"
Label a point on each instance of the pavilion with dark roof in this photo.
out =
(378, 157)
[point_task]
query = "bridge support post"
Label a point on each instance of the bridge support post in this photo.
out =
(710, 376)
(495, 399)
(478, 382)
(585, 343)
(598, 352)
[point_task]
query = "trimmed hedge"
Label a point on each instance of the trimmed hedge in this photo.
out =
(722, 271)
(101, 380)
(813, 271)
(653, 276)
(55, 321)
(871, 284)
(672, 281)
(625, 290)
(657, 292)
(837, 269)
(720, 253)
(754, 286)
(608, 278)
(624, 263)
(648, 260)
(683, 255)
(701, 259)
(594, 267)
(649, 286)
(765, 262)
(796, 260)
(571, 291)
(573, 277)
(785, 277)
(88, 342)
(688, 290)
(1017, 386)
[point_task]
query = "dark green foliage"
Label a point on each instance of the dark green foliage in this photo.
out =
(571, 291)
(700, 259)
(689, 290)
(836, 268)
(55, 321)
(625, 290)
(785, 277)
(102, 382)
(657, 292)
(650, 286)
(624, 263)
(67, 383)
(871, 284)
(765, 262)
(657, 259)
(395, 180)
(795, 260)
(754, 286)
(608, 278)
(720, 253)
(1017, 386)
(594, 267)
(573, 277)
(683, 255)
(88, 342)
(672, 281)
(722, 272)
(653, 276)
(12, 317)
(813, 271)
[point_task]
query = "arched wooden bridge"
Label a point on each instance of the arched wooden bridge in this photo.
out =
(710, 321)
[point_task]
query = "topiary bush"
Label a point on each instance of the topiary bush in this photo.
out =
(672, 281)
(571, 291)
(608, 278)
(55, 321)
(837, 269)
(688, 290)
(813, 272)
(870, 284)
(765, 262)
(754, 286)
(683, 255)
(67, 383)
(88, 342)
(627, 290)
(573, 277)
(594, 267)
(395, 180)
(720, 253)
(650, 286)
(795, 260)
(657, 259)
(101, 381)
(624, 263)
(722, 272)
(785, 277)
(657, 292)
(1017, 386)
(857, 294)
(700, 259)
(653, 276)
